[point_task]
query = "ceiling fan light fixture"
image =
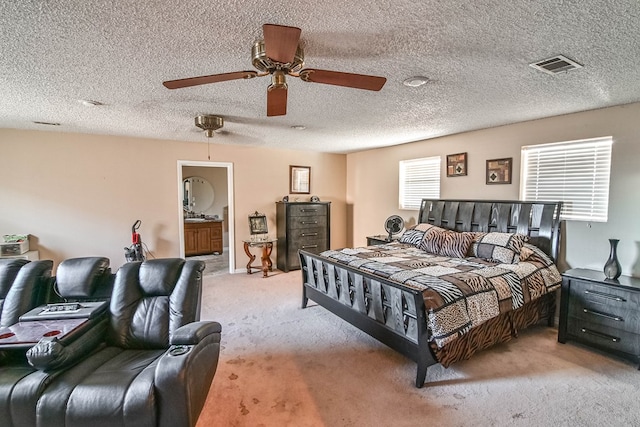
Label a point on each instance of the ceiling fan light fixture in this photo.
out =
(278, 80)
(209, 123)
(415, 81)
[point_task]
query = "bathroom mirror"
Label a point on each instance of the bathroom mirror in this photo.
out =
(197, 194)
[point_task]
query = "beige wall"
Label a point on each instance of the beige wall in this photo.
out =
(372, 179)
(78, 195)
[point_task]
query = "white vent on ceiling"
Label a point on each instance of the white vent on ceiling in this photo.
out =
(557, 64)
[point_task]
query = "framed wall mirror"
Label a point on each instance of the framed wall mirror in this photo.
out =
(197, 194)
(258, 223)
(299, 179)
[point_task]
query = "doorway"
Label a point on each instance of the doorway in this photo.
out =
(221, 173)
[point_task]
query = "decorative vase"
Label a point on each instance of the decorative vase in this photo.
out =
(612, 269)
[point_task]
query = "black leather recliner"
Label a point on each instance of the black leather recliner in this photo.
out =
(83, 279)
(24, 284)
(21, 384)
(159, 361)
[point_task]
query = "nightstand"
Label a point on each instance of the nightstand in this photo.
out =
(380, 239)
(601, 313)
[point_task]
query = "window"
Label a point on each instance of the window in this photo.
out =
(576, 172)
(419, 179)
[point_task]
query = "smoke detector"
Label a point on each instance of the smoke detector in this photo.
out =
(209, 123)
(556, 65)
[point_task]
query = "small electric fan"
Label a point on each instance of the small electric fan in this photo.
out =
(393, 225)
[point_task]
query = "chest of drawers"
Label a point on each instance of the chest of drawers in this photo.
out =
(601, 313)
(301, 225)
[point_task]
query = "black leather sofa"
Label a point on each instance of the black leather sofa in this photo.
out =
(147, 361)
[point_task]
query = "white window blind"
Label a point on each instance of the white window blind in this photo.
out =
(419, 178)
(576, 172)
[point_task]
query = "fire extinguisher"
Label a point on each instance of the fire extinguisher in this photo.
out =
(135, 252)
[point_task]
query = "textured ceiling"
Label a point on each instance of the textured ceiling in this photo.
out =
(476, 54)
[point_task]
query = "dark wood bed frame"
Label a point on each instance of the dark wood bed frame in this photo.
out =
(395, 314)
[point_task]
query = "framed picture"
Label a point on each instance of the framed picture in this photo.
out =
(258, 223)
(457, 164)
(299, 179)
(499, 171)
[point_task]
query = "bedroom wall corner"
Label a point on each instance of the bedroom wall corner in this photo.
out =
(586, 244)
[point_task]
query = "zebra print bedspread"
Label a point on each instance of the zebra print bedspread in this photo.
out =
(459, 293)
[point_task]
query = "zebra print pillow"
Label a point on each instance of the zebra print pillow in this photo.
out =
(445, 242)
(499, 247)
(454, 244)
(432, 239)
(412, 237)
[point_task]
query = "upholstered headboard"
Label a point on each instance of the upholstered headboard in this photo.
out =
(538, 220)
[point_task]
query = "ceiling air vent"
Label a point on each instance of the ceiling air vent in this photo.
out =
(557, 64)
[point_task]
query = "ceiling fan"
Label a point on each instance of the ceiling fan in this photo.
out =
(279, 55)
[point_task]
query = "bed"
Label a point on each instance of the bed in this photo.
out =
(468, 275)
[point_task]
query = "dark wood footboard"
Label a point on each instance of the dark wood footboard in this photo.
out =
(393, 314)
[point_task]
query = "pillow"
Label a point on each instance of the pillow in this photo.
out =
(477, 235)
(534, 254)
(445, 242)
(432, 239)
(454, 244)
(499, 247)
(412, 237)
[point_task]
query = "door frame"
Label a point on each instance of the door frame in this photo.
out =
(230, 204)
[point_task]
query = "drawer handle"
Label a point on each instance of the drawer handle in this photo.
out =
(600, 335)
(309, 246)
(309, 222)
(309, 210)
(608, 316)
(309, 234)
(607, 296)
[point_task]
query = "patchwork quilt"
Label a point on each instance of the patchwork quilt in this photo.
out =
(459, 293)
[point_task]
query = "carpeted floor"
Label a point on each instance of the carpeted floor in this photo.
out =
(281, 365)
(215, 264)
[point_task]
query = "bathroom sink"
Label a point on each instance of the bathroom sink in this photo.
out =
(196, 219)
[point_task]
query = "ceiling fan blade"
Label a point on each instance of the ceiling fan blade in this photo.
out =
(277, 101)
(281, 42)
(214, 78)
(358, 81)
